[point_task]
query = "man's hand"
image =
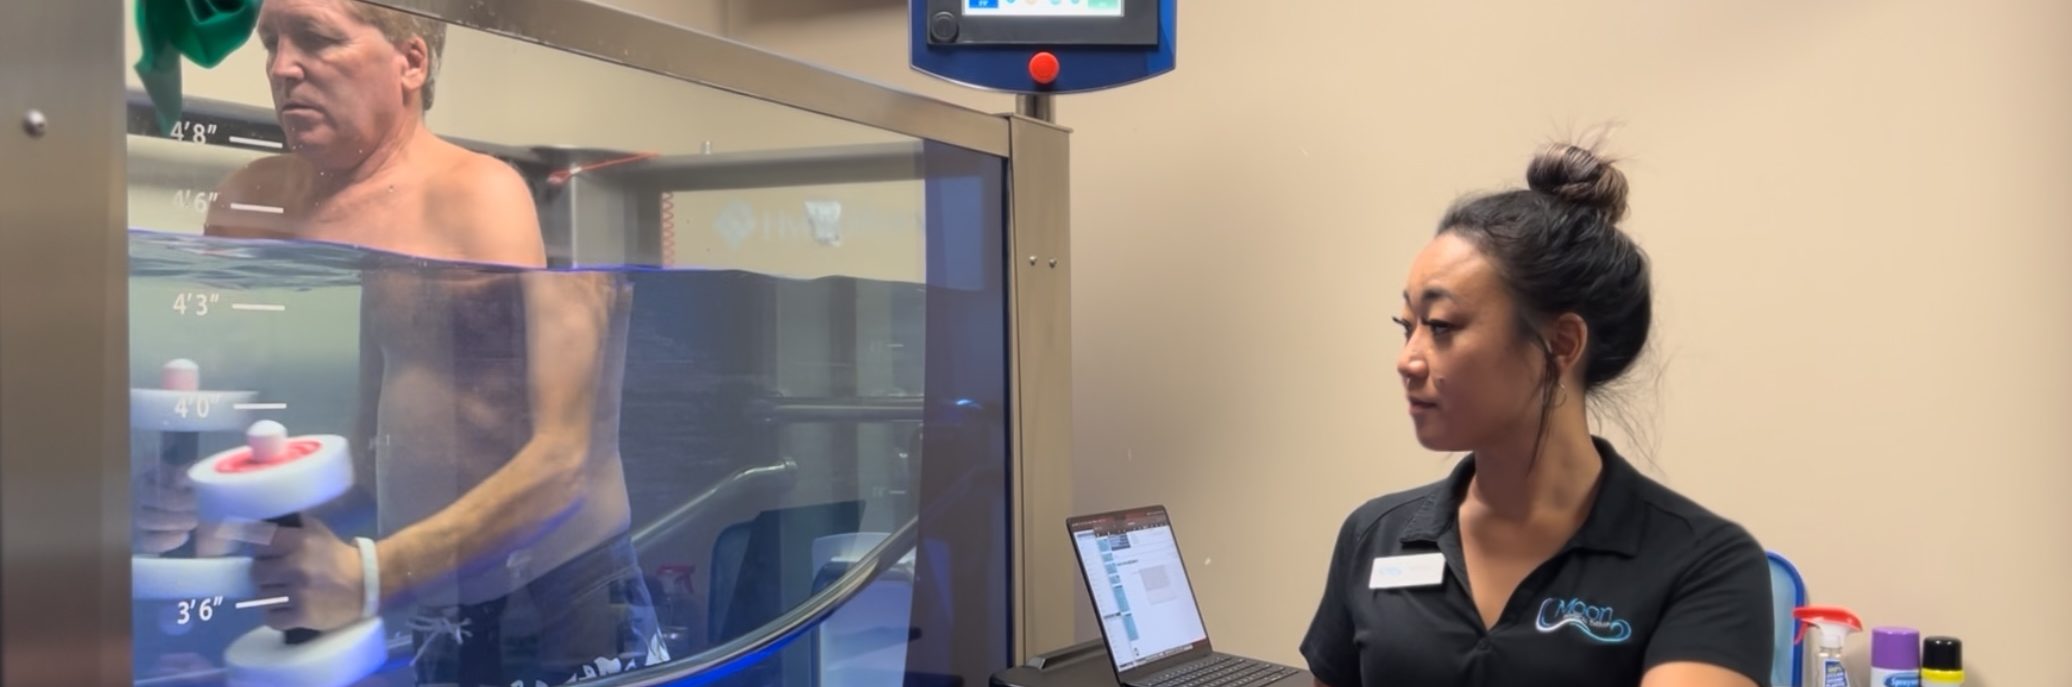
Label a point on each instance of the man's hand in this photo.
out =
(317, 571)
(166, 516)
(165, 509)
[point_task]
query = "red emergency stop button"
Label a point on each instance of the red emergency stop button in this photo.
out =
(1043, 67)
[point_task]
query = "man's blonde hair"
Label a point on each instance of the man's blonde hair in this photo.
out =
(398, 27)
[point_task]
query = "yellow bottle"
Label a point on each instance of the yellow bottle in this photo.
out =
(1942, 662)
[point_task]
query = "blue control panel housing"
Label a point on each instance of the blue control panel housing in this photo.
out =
(1014, 45)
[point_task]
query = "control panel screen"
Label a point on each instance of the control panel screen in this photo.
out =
(1044, 8)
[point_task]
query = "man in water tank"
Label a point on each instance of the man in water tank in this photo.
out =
(499, 486)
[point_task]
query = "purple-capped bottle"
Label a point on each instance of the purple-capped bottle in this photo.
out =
(1895, 657)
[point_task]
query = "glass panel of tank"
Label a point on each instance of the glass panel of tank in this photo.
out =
(458, 359)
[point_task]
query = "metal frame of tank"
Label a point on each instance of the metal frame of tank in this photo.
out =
(64, 497)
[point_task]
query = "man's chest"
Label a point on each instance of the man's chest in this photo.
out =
(400, 222)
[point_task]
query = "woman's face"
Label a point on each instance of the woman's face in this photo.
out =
(1471, 378)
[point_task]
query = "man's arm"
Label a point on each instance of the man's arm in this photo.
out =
(493, 212)
(566, 316)
(567, 321)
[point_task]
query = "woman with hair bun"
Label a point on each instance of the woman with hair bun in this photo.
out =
(1545, 559)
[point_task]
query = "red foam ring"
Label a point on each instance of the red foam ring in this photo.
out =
(242, 460)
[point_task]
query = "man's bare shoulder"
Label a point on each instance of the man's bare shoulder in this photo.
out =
(276, 181)
(274, 177)
(472, 176)
(491, 207)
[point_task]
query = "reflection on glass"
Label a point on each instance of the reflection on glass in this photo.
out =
(365, 369)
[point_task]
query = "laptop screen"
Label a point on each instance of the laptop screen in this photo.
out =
(1139, 586)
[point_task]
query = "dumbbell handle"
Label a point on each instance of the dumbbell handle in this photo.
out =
(176, 451)
(296, 635)
(179, 449)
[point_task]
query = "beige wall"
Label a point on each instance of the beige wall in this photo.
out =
(1859, 230)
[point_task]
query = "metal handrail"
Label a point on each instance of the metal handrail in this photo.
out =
(797, 621)
(659, 530)
(844, 409)
(785, 628)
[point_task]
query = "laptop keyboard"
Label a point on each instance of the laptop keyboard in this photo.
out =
(1219, 670)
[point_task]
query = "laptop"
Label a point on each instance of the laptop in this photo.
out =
(1148, 616)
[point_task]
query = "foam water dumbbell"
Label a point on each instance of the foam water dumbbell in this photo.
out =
(273, 478)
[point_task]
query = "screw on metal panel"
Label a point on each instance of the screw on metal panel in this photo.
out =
(1032, 259)
(1053, 262)
(34, 123)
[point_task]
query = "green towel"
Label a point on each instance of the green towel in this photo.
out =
(206, 31)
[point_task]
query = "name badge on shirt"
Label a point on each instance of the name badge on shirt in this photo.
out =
(1419, 570)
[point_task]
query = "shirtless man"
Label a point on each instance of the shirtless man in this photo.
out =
(496, 473)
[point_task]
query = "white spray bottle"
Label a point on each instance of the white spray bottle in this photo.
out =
(1831, 626)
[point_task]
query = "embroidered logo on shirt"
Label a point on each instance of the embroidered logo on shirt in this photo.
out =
(1595, 622)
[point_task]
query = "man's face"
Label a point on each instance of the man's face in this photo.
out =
(339, 85)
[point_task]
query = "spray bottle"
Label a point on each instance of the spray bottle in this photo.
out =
(1832, 625)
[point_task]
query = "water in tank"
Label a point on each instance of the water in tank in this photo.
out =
(588, 370)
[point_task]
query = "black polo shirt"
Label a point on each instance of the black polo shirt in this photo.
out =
(1650, 578)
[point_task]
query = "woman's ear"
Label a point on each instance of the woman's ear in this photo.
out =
(1567, 338)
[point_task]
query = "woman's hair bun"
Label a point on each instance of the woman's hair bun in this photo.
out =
(1577, 175)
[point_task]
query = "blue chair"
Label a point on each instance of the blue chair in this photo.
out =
(1787, 592)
